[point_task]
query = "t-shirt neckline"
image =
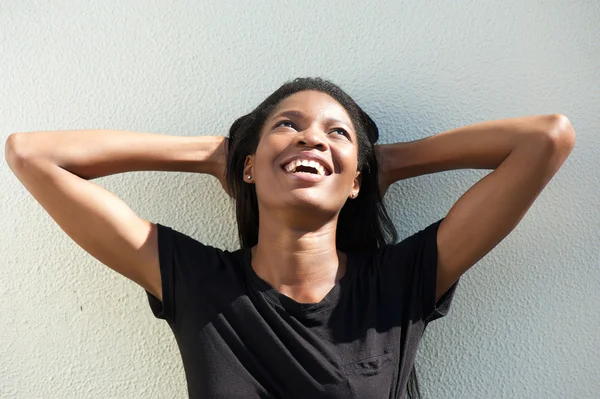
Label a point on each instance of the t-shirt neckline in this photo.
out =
(289, 304)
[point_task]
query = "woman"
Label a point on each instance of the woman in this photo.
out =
(320, 301)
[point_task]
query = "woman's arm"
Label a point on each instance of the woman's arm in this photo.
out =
(95, 153)
(55, 168)
(525, 153)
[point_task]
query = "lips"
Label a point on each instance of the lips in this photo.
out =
(307, 163)
(305, 166)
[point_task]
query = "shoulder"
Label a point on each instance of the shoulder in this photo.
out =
(404, 274)
(184, 251)
(401, 267)
(416, 248)
(190, 270)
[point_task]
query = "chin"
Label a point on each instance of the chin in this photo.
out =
(313, 202)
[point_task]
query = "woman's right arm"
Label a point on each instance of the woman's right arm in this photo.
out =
(56, 167)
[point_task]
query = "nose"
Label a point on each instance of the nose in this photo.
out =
(312, 138)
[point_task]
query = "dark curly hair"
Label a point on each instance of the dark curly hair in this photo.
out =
(363, 223)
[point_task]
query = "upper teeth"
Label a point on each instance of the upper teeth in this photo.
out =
(291, 167)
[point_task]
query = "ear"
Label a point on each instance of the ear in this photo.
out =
(249, 169)
(356, 185)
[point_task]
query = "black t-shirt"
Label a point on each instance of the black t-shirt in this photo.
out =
(240, 338)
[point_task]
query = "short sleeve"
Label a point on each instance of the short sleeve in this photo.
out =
(183, 263)
(412, 264)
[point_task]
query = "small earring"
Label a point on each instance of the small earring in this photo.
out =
(249, 177)
(353, 195)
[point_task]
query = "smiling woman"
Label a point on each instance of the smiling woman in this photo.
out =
(321, 300)
(306, 117)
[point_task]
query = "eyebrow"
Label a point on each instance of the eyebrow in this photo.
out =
(300, 115)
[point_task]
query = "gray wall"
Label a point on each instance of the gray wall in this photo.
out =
(525, 321)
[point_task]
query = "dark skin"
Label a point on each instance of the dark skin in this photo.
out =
(296, 252)
(298, 214)
(524, 154)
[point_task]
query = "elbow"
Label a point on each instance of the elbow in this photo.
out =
(13, 152)
(560, 133)
(556, 139)
(17, 151)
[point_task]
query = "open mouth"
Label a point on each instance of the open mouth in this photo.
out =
(306, 166)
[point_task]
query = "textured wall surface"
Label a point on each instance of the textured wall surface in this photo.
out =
(525, 321)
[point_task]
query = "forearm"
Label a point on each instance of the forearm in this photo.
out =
(96, 153)
(483, 145)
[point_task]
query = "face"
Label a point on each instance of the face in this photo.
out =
(307, 155)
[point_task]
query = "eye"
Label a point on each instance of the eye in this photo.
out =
(342, 132)
(288, 123)
(284, 122)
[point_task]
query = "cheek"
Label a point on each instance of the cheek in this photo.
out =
(267, 152)
(350, 159)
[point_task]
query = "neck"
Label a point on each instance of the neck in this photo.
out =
(298, 257)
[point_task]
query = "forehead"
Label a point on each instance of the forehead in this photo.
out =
(315, 104)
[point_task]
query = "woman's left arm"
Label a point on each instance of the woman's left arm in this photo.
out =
(525, 153)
